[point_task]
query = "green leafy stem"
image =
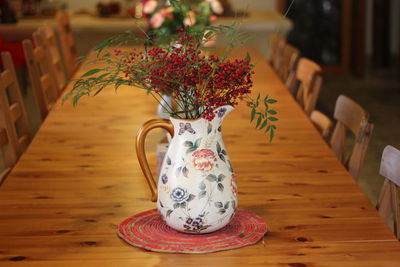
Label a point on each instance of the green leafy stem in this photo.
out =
(263, 115)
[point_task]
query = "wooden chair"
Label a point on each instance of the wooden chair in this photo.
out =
(288, 64)
(322, 123)
(46, 37)
(308, 74)
(388, 203)
(14, 128)
(276, 51)
(67, 42)
(46, 91)
(351, 116)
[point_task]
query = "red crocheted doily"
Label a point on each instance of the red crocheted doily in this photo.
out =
(148, 231)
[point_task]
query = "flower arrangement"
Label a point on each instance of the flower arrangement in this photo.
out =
(197, 82)
(168, 16)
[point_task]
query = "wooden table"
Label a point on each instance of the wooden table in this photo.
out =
(80, 177)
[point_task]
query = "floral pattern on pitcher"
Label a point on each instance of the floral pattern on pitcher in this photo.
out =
(197, 186)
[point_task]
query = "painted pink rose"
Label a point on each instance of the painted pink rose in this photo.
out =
(204, 160)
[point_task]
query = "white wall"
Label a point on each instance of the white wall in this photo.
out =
(254, 4)
(238, 4)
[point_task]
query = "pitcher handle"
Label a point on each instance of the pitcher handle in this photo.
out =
(141, 154)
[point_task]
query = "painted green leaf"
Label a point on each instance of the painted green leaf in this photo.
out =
(253, 114)
(218, 204)
(197, 143)
(188, 144)
(212, 178)
(220, 187)
(271, 101)
(176, 205)
(221, 211)
(91, 72)
(226, 206)
(221, 177)
(169, 161)
(258, 121)
(271, 135)
(185, 172)
(264, 124)
(191, 197)
(202, 194)
(272, 118)
(218, 148)
(272, 112)
(169, 212)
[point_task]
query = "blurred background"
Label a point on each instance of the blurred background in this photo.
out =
(356, 42)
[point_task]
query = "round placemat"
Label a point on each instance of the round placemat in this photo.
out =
(148, 231)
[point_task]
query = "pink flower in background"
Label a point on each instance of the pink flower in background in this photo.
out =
(149, 6)
(167, 12)
(190, 19)
(213, 18)
(216, 6)
(157, 20)
(204, 159)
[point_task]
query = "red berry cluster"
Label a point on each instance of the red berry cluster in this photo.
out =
(194, 80)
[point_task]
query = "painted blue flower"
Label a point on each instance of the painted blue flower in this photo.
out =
(221, 112)
(164, 178)
(179, 195)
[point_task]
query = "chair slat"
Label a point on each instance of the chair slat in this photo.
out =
(15, 112)
(388, 203)
(359, 152)
(46, 38)
(351, 116)
(350, 113)
(67, 42)
(13, 119)
(308, 74)
(3, 137)
(7, 78)
(39, 67)
(322, 123)
(390, 165)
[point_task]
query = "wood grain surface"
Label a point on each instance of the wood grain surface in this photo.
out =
(79, 178)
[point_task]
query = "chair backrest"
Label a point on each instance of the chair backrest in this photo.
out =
(288, 64)
(322, 123)
(275, 53)
(39, 71)
(351, 117)
(308, 74)
(46, 37)
(14, 128)
(67, 42)
(388, 203)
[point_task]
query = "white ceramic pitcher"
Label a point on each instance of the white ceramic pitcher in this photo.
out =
(196, 190)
